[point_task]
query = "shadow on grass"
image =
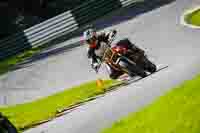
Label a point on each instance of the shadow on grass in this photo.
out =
(10, 49)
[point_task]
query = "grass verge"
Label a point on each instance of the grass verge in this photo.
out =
(175, 112)
(25, 115)
(193, 18)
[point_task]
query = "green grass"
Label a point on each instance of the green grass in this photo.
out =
(8, 63)
(193, 18)
(24, 115)
(178, 111)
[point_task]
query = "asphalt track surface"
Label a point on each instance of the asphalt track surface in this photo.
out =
(158, 31)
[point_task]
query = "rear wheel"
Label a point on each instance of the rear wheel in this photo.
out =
(150, 67)
(147, 65)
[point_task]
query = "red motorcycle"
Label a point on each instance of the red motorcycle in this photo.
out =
(125, 57)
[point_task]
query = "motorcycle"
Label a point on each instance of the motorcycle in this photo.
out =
(125, 60)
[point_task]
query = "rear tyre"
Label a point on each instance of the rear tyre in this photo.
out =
(150, 66)
(147, 65)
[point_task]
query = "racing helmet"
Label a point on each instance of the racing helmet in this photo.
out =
(90, 36)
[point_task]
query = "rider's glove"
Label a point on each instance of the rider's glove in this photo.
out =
(114, 31)
(95, 66)
(112, 35)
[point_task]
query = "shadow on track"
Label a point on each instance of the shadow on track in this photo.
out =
(45, 54)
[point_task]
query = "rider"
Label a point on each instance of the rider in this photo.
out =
(94, 41)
